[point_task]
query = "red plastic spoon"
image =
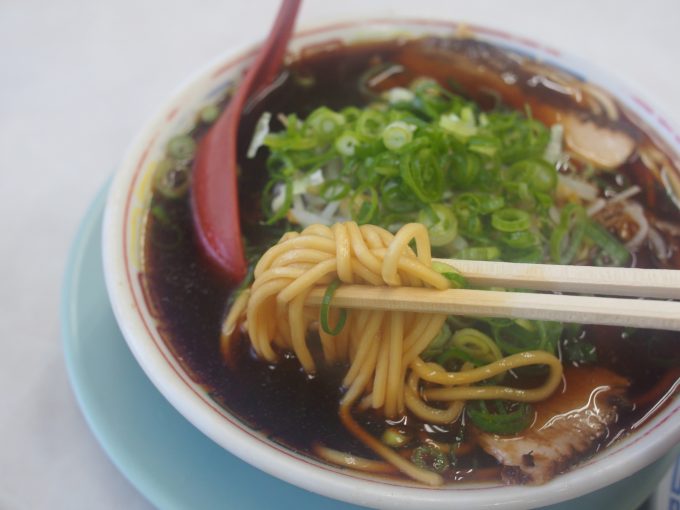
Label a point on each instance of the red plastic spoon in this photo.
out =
(214, 188)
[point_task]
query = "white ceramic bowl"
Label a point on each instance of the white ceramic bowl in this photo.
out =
(124, 224)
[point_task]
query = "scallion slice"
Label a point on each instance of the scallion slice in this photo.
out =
(510, 220)
(346, 143)
(325, 123)
(181, 147)
(431, 458)
(422, 173)
(479, 253)
(615, 251)
(509, 418)
(326, 308)
(442, 225)
(397, 134)
(171, 178)
(457, 280)
(364, 204)
(476, 344)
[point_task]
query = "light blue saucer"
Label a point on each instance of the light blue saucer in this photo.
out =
(168, 460)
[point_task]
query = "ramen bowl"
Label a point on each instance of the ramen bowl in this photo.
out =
(620, 476)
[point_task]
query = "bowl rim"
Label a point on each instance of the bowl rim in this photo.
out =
(299, 469)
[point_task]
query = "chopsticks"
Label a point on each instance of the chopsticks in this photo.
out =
(605, 281)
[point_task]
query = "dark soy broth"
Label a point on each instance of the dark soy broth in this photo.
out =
(291, 407)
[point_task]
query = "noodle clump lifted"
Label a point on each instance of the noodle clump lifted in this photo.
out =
(382, 349)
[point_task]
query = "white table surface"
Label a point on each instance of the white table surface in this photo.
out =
(77, 80)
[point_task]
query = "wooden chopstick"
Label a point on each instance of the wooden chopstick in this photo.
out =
(607, 281)
(635, 313)
(638, 313)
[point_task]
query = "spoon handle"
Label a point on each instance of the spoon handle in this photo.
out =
(214, 188)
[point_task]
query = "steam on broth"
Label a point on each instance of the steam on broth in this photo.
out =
(525, 163)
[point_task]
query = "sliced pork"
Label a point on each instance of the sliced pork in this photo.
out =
(568, 426)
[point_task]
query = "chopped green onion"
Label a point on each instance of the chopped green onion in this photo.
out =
(438, 343)
(565, 240)
(209, 114)
(280, 212)
(294, 142)
(395, 198)
(364, 204)
(370, 124)
(431, 99)
(479, 202)
(465, 169)
(430, 458)
(617, 253)
(526, 324)
(512, 337)
(325, 123)
(395, 437)
(479, 253)
(486, 145)
(423, 174)
(488, 202)
(334, 190)
(170, 179)
(476, 344)
(538, 173)
(443, 228)
(386, 164)
(397, 134)
(471, 201)
(181, 147)
(469, 223)
(457, 280)
(510, 220)
(454, 353)
(518, 192)
(479, 181)
(520, 240)
(161, 215)
(578, 350)
(351, 114)
(510, 418)
(325, 311)
(346, 144)
(453, 124)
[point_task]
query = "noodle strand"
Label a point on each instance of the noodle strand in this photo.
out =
(381, 349)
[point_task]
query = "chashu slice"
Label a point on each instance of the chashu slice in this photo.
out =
(568, 425)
